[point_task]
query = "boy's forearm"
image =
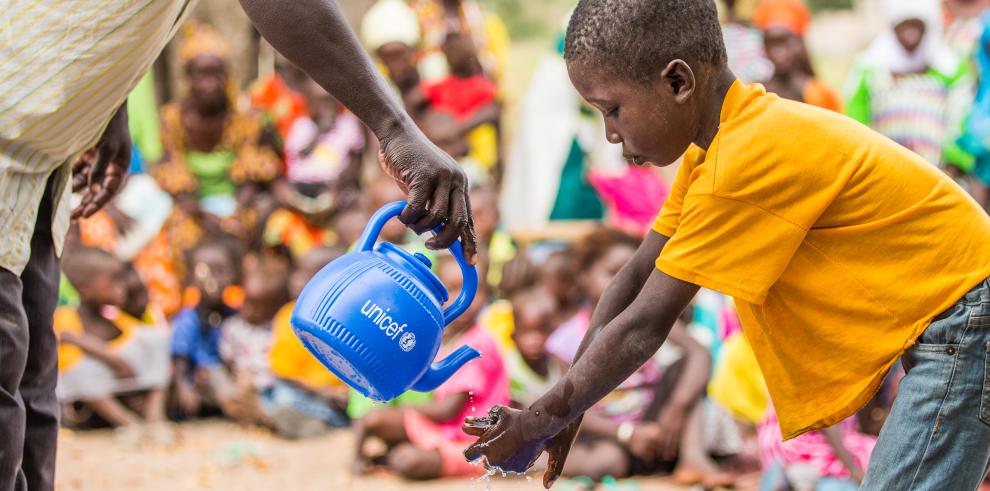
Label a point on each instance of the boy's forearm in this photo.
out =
(315, 36)
(624, 287)
(617, 352)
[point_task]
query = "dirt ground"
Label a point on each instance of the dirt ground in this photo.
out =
(217, 455)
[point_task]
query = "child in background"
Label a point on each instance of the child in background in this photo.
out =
(784, 23)
(470, 98)
(532, 371)
(323, 164)
(108, 361)
(426, 441)
(653, 419)
(199, 373)
(909, 86)
(306, 399)
(246, 339)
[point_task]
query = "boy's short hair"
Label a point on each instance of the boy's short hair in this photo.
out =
(83, 264)
(638, 38)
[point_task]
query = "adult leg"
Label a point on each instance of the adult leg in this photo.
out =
(13, 356)
(40, 296)
(938, 432)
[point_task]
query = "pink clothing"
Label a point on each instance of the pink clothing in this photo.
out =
(484, 379)
(812, 448)
(630, 400)
(633, 197)
(331, 153)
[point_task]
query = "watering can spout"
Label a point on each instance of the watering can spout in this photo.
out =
(440, 371)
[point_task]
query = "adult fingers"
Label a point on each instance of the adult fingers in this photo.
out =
(476, 450)
(469, 240)
(437, 212)
(104, 191)
(456, 223)
(476, 426)
(80, 175)
(419, 193)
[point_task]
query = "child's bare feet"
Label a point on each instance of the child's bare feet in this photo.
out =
(160, 434)
(129, 436)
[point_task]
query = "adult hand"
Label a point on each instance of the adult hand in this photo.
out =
(100, 171)
(512, 440)
(437, 189)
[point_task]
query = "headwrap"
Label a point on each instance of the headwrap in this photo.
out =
(201, 40)
(389, 21)
(792, 15)
(887, 53)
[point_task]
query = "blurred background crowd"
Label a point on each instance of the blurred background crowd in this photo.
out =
(247, 178)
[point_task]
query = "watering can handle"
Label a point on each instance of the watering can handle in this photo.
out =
(470, 274)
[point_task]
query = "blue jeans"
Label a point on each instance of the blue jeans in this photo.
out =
(938, 433)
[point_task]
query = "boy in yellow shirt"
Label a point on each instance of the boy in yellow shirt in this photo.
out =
(844, 252)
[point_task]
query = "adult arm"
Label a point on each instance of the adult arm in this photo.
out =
(314, 35)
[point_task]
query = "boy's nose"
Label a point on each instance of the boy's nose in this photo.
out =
(613, 138)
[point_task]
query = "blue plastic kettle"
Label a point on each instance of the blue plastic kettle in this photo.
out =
(373, 316)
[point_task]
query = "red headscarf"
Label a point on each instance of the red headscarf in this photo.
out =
(792, 15)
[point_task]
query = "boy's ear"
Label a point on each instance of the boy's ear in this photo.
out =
(678, 79)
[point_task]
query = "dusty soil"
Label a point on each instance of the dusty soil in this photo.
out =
(217, 455)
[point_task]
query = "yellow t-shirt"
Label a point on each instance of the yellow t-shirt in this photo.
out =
(291, 360)
(838, 245)
(67, 319)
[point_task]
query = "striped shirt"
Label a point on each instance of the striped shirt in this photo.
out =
(67, 66)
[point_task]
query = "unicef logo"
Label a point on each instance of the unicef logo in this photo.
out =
(407, 342)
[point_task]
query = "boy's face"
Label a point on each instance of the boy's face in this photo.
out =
(534, 318)
(136, 301)
(910, 33)
(208, 81)
(400, 62)
(783, 48)
(106, 288)
(261, 300)
(655, 122)
(597, 278)
(213, 271)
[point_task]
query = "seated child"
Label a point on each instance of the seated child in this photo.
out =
(246, 338)
(323, 165)
(306, 399)
(653, 418)
(531, 368)
(425, 441)
(199, 373)
(470, 98)
(108, 361)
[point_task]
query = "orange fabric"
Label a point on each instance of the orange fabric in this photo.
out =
(792, 15)
(821, 94)
(284, 105)
(67, 320)
(291, 360)
(157, 263)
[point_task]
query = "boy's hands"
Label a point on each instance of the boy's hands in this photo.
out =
(670, 423)
(645, 440)
(511, 440)
(188, 399)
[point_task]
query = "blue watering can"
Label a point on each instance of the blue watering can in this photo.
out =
(373, 316)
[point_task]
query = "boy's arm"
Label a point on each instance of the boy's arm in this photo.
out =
(487, 114)
(97, 348)
(315, 36)
(609, 355)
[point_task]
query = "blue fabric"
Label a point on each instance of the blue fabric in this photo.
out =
(938, 433)
(975, 138)
(190, 340)
(285, 394)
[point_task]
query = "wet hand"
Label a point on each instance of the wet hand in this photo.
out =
(511, 440)
(437, 189)
(100, 171)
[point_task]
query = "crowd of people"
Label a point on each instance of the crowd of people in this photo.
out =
(175, 299)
